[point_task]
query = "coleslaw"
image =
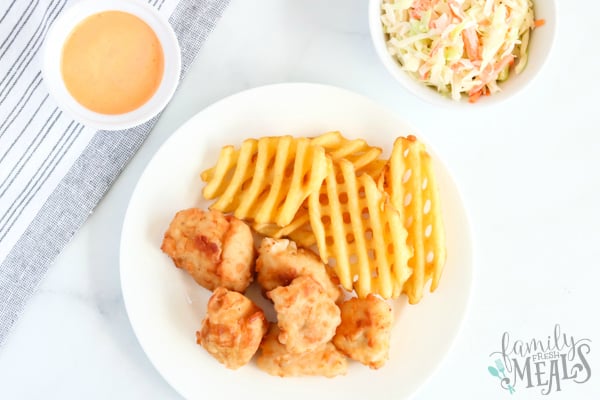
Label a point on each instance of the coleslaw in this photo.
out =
(459, 46)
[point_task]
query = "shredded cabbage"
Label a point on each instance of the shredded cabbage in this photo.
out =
(459, 46)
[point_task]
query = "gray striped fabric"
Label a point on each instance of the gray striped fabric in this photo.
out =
(53, 170)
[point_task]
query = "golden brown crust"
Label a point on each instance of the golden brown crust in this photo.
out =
(280, 261)
(306, 315)
(232, 329)
(215, 249)
(276, 360)
(364, 334)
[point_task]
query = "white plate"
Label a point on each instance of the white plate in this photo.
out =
(166, 307)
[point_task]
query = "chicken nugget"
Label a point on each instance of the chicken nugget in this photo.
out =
(215, 249)
(280, 261)
(232, 329)
(306, 315)
(364, 334)
(276, 360)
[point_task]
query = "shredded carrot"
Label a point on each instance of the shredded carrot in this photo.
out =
(539, 22)
(471, 43)
(475, 96)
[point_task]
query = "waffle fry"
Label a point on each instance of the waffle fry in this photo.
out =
(298, 230)
(377, 222)
(365, 160)
(357, 151)
(359, 233)
(363, 156)
(266, 180)
(410, 181)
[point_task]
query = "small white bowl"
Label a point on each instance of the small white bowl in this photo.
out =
(51, 63)
(542, 40)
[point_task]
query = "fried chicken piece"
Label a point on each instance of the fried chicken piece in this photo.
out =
(275, 359)
(280, 261)
(364, 334)
(215, 249)
(232, 329)
(306, 315)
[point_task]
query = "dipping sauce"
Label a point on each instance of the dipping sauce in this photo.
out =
(112, 62)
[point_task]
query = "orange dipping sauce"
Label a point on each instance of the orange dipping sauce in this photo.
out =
(112, 62)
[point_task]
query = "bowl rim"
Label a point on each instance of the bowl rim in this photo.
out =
(429, 94)
(51, 59)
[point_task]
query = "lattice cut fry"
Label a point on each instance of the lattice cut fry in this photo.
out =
(359, 233)
(298, 230)
(377, 222)
(266, 180)
(365, 160)
(363, 156)
(410, 181)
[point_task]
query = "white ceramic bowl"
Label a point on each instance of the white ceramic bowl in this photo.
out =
(58, 34)
(542, 40)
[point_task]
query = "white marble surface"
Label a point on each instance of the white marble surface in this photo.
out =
(528, 169)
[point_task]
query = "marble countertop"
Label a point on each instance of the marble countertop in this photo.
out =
(528, 170)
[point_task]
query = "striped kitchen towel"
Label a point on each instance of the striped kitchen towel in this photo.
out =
(53, 170)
